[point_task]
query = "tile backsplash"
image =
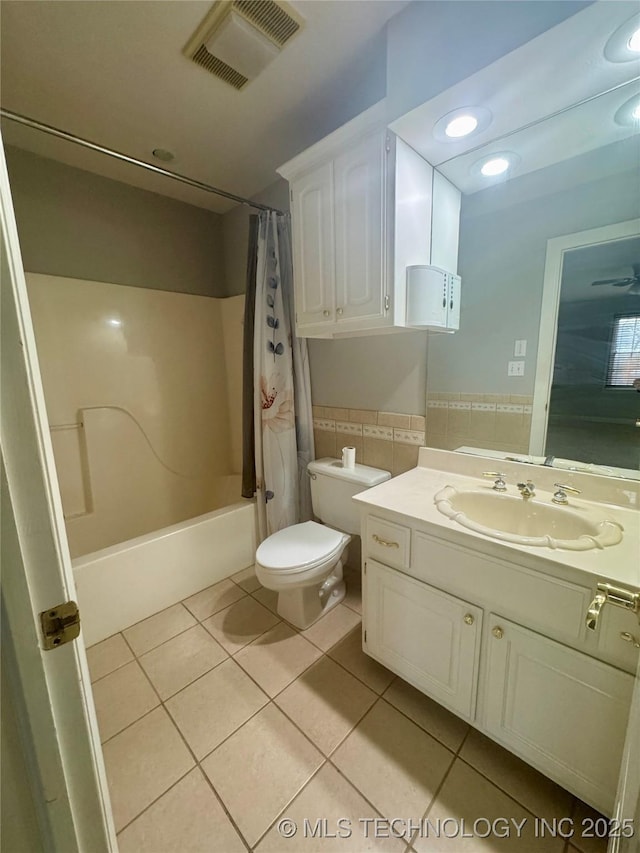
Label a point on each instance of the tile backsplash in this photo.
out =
(386, 440)
(390, 440)
(493, 421)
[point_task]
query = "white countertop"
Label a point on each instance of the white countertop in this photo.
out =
(412, 495)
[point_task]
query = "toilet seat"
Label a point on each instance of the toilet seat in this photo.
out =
(300, 548)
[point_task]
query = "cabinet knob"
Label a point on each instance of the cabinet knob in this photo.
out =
(326, 313)
(628, 637)
(497, 632)
(468, 619)
(338, 310)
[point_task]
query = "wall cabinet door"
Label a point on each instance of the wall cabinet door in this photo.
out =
(428, 637)
(360, 231)
(560, 710)
(312, 207)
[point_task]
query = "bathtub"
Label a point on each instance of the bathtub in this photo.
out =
(122, 584)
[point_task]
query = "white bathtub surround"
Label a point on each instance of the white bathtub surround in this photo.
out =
(126, 583)
(136, 449)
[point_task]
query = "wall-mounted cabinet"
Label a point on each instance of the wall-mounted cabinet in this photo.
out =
(364, 207)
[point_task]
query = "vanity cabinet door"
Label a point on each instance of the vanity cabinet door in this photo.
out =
(560, 710)
(428, 637)
(312, 207)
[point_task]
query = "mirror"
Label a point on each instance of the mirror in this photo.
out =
(529, 372)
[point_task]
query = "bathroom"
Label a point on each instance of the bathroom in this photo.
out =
(368, 392)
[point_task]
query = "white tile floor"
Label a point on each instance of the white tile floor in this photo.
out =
(218, 720)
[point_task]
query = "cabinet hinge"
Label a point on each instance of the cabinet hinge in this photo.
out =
(387, 302)
(60, 624)
(387, 144)
(365, 568)
(365, 636)
(291, 195)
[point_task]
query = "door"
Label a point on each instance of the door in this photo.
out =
(313, 250)
(428, 637)
(359, 180)
(59, 735)
(559, 709)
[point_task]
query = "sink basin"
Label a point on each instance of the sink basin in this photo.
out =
(533, 521)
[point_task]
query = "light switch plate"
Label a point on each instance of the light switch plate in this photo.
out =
(520, 349)
(515, 368)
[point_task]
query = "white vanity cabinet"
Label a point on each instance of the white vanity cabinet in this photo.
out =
(364, 206)
(559, 709)
(429, 637)
(505, 646)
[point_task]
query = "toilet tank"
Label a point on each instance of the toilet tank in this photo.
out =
(332, 488)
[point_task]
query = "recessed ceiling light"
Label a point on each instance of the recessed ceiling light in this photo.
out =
(495, 166)
(629, 113)
(113, 321)
(624, 44)
(461, 126)
(163, 154)
(461, 122)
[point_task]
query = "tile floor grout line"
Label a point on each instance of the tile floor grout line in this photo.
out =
(435, 797)
(288, 805)
(420, 726)
(159, 797)
(153, 648)
(507, 793)
(164, 642)
(225, 809)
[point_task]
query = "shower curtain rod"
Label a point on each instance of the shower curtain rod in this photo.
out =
(86, 143)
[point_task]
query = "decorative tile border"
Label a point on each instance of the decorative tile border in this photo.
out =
(324, 425)
(348, 428)
(437, 404)
(483, 407)
(370, 431)
(408, 436)
(460, 404)
(509, 408)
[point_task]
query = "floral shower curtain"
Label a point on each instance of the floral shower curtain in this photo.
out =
(283, 422)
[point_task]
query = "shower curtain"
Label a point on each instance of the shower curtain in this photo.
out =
(282, 417)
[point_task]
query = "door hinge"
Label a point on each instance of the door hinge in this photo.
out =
(387, 302)
(365, 568)
(291, 195)
(60, 624)
(387, 144)
(365, 636)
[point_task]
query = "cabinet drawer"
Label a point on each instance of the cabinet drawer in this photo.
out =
(387, 542)
(547, 603)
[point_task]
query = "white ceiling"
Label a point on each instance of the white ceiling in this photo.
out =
(114, 73)
(532, 94)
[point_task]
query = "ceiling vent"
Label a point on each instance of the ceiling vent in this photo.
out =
(238, 38)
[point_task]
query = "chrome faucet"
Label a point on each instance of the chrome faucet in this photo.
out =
(499, 484)
(527, 490)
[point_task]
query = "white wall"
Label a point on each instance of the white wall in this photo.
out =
(77, 224)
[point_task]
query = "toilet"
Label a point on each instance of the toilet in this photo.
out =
(303, 563)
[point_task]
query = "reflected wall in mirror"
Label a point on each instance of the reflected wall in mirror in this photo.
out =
(585, 394)
(576, 170)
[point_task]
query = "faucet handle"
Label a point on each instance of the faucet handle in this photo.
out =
(560, 497)
(500, 484)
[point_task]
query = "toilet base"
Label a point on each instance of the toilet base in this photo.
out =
(302, 606)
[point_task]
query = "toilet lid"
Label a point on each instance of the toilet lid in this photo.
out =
(299, 547)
